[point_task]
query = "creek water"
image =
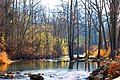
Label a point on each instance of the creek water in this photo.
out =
(52, 69)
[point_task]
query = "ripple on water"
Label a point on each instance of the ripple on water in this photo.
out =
(61, 74)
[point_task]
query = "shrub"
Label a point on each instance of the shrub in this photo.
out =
(4, 58)
(103, 52)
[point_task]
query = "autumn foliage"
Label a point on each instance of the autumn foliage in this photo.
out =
(113, 66)
(103, 52)
(94, 52)
(4, 58)
(112, 70)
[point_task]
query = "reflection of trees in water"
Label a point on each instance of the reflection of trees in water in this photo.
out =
(36, 65)
(3, 67)
(86, 66)
(71, 65)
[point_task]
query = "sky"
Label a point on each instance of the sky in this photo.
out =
(50, 3)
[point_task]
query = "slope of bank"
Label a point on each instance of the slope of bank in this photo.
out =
(108, 71)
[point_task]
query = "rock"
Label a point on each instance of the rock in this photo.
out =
(2, 75)
(10, 72)
(27, 74)
(6, 76)
(42, 74)
(20, 76)
(51, 76)
(95, 72)
(35, 77)
(9, 76)
(91, 77)
(18, 72)
(99, 70)
(99, 76)
(39, 74)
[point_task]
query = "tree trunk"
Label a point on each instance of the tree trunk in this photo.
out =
(85, 31)
(70, 33)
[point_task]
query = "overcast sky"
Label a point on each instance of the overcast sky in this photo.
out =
(50, 3)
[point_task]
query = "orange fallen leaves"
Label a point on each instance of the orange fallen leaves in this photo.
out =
(114, 66)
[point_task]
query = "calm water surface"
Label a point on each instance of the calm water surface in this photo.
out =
(60, 70)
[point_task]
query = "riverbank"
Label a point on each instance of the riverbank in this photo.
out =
(109, 70)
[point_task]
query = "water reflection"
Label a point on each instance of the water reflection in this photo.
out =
(84, 66)
(42, 65)
(71, 65)
(3, 67)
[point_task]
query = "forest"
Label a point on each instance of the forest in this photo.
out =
(81, 30)
(29, 30)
